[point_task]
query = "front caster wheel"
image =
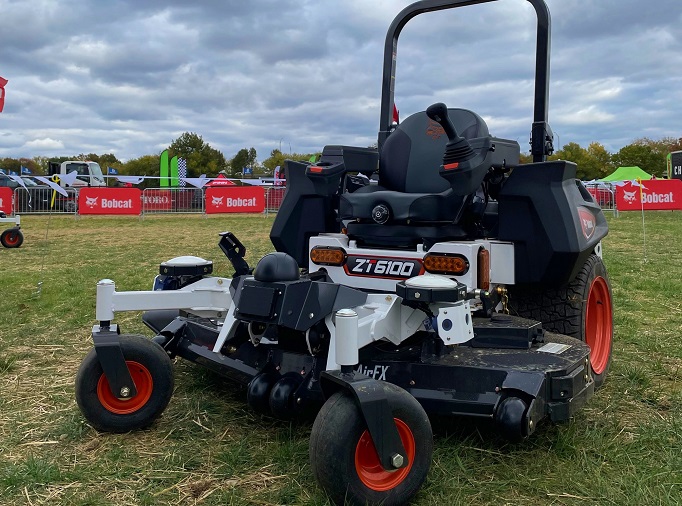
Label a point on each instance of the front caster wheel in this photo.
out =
(345, 462)
(12, 238)
(152, 373)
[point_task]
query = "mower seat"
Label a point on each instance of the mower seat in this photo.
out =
(420, 204)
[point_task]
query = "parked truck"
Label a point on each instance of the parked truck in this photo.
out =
(88, 173)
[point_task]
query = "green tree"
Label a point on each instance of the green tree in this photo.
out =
(600, 160)
(10, 164)
(147, 165)
(106, 160)
(31, 165)
(243, 158)
(525, 158)
(277, 158)
(41, 163)
(592, 163)
(643, 154)
(201, 157)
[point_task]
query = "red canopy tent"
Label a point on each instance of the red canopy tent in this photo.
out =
(221, 180)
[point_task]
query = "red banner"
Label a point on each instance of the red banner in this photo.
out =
(655, 194)
(6, 200)
(239, 199)
(109, 201)
(157, 200)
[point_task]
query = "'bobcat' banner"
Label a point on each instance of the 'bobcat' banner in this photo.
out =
(654, 194)
(109, 201)
(235, 199)
(6, 200)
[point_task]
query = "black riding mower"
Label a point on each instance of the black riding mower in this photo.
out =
(457, 282)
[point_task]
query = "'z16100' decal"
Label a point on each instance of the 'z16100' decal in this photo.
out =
(382, 267)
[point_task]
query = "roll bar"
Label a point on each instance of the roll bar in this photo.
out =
(541, 134)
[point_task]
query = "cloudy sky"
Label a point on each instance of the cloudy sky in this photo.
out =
(129, 76)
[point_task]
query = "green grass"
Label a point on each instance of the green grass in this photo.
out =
(625, 447)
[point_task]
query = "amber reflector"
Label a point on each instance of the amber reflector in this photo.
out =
(484, 269)
(327, 256)
(446, 263)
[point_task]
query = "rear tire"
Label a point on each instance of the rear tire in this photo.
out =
(12, 238)
(345, 462)
(152, 373)
(582, 309)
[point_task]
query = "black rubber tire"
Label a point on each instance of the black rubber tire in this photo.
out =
(338, 429)
(149, 356)
(564, 310)
(12, 238)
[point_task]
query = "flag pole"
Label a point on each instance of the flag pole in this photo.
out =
(641, 201)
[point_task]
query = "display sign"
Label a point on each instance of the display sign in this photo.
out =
(675, 169)
(6, 200)
(239, 199)
(109, 201)
(654, 194)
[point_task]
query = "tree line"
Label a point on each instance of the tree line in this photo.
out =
(594, 161)
(201, 158)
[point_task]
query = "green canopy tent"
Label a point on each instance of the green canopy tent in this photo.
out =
(626, 174)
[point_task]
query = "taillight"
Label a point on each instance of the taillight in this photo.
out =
(327, 255)
(446, 263)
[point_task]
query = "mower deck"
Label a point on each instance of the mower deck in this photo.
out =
(552, 376)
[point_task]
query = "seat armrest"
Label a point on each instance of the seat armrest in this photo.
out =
(506, 154)
(355, 159)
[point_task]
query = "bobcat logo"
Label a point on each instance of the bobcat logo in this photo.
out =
(434, 130)
(588, 225)
(91, 201)
(217, 201)
(629, 196)
(587, 222)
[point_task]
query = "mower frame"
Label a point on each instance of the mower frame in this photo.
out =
(298, 332)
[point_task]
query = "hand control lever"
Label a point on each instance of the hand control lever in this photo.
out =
(458, 148)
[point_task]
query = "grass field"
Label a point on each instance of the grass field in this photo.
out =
(208, 448)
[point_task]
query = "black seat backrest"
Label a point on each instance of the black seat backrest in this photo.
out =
(413, 153)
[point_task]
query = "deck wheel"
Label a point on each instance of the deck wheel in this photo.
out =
(152, 372)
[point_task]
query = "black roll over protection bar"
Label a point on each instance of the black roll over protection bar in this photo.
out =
(541, 133)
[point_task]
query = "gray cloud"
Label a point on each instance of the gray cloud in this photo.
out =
(129, 77)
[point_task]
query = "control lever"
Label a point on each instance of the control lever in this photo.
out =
(458, 148)
(234, 251)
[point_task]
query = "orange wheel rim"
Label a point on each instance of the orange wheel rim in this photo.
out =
(599, 324)
(369, 468)
(142, 379)
(11, 239)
